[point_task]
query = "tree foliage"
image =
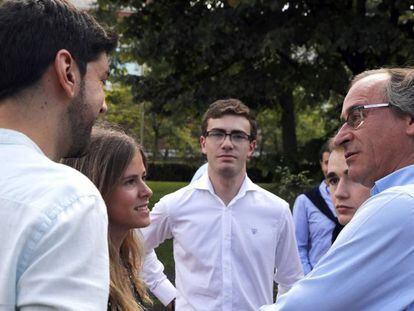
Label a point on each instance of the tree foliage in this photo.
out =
(176, 134)
(286, 56)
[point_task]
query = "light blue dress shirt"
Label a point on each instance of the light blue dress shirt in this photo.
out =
(371, 264)
(312, 228)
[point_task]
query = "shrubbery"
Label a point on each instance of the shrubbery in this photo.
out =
(171, 171)
(159, 171)
(288, 185)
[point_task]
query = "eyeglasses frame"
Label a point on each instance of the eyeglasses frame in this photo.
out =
(360, 108)
(249, 137)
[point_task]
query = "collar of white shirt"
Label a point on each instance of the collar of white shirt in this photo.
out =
(204, 183)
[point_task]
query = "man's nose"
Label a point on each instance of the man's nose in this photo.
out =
(104, 107)
(227, 141)
(342, 136)
(342, 190)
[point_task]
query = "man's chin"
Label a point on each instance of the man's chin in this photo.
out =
(354, 173)
(79, 150)
(344, 219)
(76, 154)
(227, 171)
(361, 176)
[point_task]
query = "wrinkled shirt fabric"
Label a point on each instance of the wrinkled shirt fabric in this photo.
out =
(53, 232)
(226, 257)
(370, 265)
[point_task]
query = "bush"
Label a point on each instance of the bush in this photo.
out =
(171, 171)
(159, 171)
(288, 185)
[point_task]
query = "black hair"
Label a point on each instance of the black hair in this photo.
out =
(33, 31)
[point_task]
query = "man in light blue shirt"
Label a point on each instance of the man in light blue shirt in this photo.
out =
(370, 265)
(313, 229)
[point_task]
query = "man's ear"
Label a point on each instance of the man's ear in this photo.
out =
(252, 147)
(410, 125)
(67, 72)
(203, 144)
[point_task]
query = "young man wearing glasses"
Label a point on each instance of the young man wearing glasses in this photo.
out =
(232, 239)
(370, 266)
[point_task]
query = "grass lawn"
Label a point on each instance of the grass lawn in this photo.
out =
(164, 251)
(161, 188)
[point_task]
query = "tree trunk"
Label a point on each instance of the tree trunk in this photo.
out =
(289, 141)
(155, 128)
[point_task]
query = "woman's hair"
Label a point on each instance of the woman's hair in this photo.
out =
(110, 152)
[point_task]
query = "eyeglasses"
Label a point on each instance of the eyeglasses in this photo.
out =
(236, 137)
(356, 115)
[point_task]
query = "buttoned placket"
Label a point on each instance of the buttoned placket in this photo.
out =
(227, 258)
(226, 248)
(227, 254)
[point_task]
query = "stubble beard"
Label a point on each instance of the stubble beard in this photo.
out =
(228, 172)
(80, 125)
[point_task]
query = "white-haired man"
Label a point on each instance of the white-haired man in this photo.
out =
(369, 267)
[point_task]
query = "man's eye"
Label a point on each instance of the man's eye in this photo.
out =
(105, 85)
(216, 134)
(238, 136)
(354, 117)
(333, 181)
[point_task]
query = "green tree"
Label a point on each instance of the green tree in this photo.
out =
(154, 131)
(199, 51)
(281, 55)
(363, 34)
(122, 109)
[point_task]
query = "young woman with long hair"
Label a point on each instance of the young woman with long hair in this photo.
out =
(117, 166)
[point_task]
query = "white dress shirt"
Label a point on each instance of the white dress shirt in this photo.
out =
(53, 233)
(226, 257)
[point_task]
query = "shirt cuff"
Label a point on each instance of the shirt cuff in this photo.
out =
(165, 292)
(268, 308)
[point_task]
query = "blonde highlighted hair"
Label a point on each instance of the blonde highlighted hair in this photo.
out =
(110, 152)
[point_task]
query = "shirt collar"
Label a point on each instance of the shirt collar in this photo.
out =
(400, 177)
(204, 183)
(12, 137)
(323, 188)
